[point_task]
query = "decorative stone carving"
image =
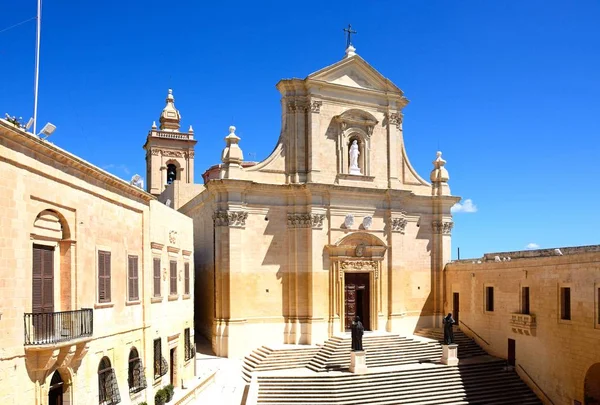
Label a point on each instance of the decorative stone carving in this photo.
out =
(349, 221)
(395, 119)
(172, 153)
(173, 237)
(367, 222)
(234, 219)
(189, 154)
(317, 220)
(155, 151)
(445, 228)
(297, 106)
(305, 220)
(299, 220)
(399, 224)
(360, 250)
(359, 265)
(370, 130)
(315, 106)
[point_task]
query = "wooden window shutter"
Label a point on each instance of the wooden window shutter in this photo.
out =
(186, 285)
(173, 278)
(37, 295)
(132, 279)
(104, 277)
(157, 277)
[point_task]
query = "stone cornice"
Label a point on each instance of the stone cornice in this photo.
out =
(59, 155)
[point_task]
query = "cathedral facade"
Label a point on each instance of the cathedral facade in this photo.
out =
(334, 224)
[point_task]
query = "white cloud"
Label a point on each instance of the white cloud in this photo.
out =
(532, 246)
(121, 167)
(466, 206)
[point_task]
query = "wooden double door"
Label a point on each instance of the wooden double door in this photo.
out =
(357, 299)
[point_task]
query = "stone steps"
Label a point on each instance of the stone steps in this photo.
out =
(484, 383)
(265, 358)
(467, 347)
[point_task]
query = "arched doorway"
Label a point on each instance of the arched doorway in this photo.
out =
(592, 385)
(55, 393)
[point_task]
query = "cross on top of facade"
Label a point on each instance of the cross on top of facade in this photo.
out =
(349, 31)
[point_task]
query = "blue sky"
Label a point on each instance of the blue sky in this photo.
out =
(507, 90)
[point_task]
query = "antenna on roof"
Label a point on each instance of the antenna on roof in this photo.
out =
(37, 64)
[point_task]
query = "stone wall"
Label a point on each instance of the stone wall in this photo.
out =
(555, 353)
(52, 198)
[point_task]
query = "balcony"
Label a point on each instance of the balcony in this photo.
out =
(58, 328)
(523, 324)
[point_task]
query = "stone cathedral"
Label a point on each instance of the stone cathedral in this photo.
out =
(334, 223)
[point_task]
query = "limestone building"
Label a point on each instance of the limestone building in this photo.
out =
(96, 282)
(334, 223)
(538, 309)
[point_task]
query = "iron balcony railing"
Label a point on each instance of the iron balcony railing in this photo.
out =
(56, 327)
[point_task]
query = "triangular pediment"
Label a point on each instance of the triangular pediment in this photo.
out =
(354, 72)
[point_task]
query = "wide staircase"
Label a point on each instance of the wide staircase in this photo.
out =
(466, 346)
(402, 371)
(486, 383)
(286, 357)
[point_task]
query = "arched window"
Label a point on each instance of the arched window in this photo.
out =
(137, 380)
(171, 173)
(108, 390)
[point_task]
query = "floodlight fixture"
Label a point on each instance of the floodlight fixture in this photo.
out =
(168, 202)
(29, 123)
(137, 181)
(47, 130)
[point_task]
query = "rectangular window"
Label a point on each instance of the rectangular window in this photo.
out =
(489, 299)
(157, 358)
(103, 276)
(132, 279)
(186, 280)
(565, 303)
(173, 277)
(525, 300)
(156, 277)
(190, 349)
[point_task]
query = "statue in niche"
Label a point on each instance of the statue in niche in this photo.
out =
(448, 322)
(357, 334)
(354, 152)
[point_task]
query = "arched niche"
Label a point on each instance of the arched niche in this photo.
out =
(172, 171)
(355, 124)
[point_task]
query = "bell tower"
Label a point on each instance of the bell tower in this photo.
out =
(169, 152)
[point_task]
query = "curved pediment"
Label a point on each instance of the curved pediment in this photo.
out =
(357, 116)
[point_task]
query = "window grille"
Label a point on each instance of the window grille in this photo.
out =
(108, 390)
(137, 378)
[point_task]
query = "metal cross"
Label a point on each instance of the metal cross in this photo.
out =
(349, 31)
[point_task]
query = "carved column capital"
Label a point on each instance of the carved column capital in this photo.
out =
(232, 219)
(399, 224)
(305, 220)
(395, 119)
(441, 227)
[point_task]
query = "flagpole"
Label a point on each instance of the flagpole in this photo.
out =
(37, 64)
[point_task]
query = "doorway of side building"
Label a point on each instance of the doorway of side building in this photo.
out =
(55, 394)
(356, 299)
(512, 352)
(455, 306)
(173, 368)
